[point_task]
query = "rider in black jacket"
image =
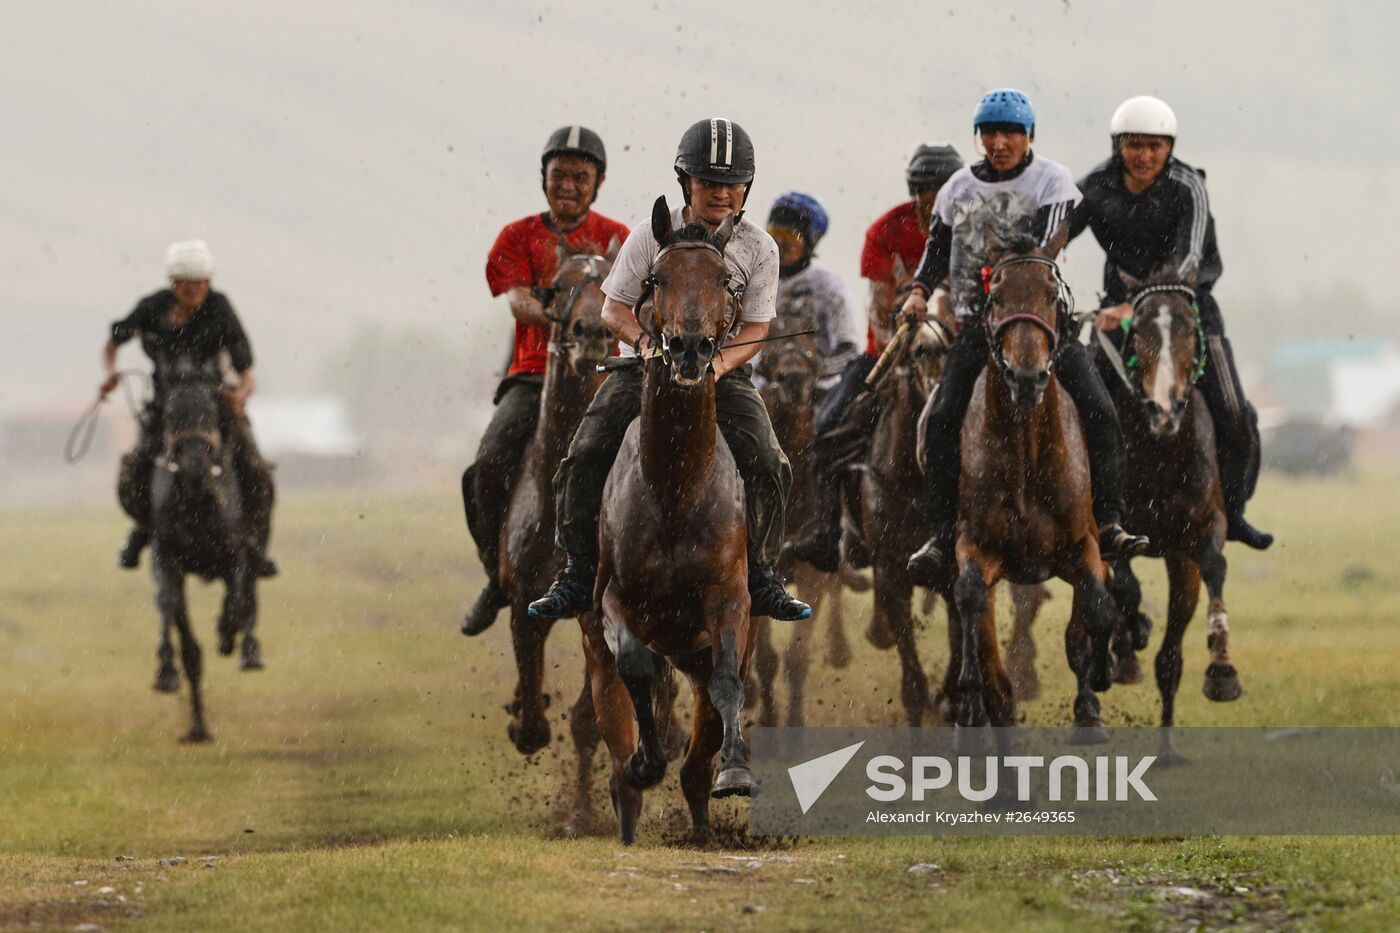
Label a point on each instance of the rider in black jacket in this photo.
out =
(1149, 212)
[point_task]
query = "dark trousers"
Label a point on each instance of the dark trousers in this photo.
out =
(1236, 423)
(255, 484)
(1076, 375)
(743, 420)
(486, 483)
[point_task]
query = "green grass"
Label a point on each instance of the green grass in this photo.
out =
(365, 781)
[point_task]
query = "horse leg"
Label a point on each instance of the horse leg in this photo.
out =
(170, 598)
(167, 677)
(1184, 592)
(895, 593)
(997, 684)
(765, 673)
(583, 726)
(797, 658)
(1088, 725)
(245, 583)
(1021, 651)
(1133, 628)
(838, 649)
(638, 667)
(972, 593)
(1222, 681)
(946, 705)
(529, 726)
(613, 709)
(1088, 642)
(669, 730)
(726, 692)
(706, 739)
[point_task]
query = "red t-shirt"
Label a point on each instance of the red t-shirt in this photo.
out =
(896, 233)
(524, 254)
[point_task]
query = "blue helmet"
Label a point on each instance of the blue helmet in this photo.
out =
(1005, 105)
(803, 213)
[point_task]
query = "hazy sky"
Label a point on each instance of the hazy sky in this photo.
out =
(351, 161)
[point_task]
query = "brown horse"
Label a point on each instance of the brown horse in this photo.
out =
(1173, 486)
(790, 370)
(890, 481)
(578, 342)
(1025, 511)
(672, 571)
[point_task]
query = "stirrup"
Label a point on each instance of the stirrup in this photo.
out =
(567, 596)
(1114, 542)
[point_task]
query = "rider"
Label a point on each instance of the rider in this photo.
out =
(812, 293)
(190, 321)
(715, 168)
(1148, 210)
(1011, 189)
(521, 264)
(900, 232)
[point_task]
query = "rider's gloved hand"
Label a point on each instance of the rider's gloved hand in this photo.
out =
(1111, 318)
(915, 309)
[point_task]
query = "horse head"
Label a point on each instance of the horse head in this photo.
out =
(1164, 347)
(579, 333)
(790, 367)
(1025, 297)
(192, 443)
(692, 307)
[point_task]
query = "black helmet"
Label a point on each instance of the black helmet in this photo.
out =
(931, 166)
(716, 150)
(575, 140)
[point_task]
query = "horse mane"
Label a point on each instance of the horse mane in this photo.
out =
(693, 232)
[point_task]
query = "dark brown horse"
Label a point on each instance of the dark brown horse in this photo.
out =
(672, 573)
(1173, 486)
(1025, 511)
(790, 370)
(892, 529)
(578, 342)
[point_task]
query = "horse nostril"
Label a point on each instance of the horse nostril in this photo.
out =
(1042, 379)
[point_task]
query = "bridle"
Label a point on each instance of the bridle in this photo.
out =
(564, 343)
(1064, 304)
(660, 348)
(1132, 364)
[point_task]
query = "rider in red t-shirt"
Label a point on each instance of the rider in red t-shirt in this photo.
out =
(901, 233)
(521, 265)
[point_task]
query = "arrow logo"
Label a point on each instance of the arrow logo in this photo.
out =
(811, 778)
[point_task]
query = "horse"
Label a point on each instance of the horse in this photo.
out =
(1172, 487)
(198, 528)
(790, 370)
(672, 572)
(1025, 509)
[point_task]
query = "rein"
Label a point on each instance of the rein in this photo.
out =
(996, 329)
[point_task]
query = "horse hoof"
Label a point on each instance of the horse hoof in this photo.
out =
(225, 644)
(973, 740)
(880, 635)
(1101, 677)
(196, 736)
(580, 824)
(253, 662)
(1142, 631)
(1088, 733)
(1128, 670)
(734, 782)
(167, 682)
(642, 774)
(1222, 683)
(528, 741)
(1026, 687)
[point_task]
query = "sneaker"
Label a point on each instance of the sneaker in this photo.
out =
(129, 557)
(570, 594)
(929, 560)
(767, 597)
(482, 615)
(1238, 528)
(1114, 542)
(266, 567)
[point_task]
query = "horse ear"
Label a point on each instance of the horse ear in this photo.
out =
(562, 251)
(1130, 282)
(1057, 241)
(898, 270)
(1189, 278)
(614, 247)
(725, 231)
(661, 220)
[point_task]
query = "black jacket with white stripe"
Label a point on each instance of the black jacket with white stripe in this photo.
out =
(1168, 224)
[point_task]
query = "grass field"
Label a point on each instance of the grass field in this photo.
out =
(364, 780)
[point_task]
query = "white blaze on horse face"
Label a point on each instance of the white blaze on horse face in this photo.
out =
(1163, 379)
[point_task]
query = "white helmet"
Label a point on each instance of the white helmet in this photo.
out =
(189, 259)
(1146, 115)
